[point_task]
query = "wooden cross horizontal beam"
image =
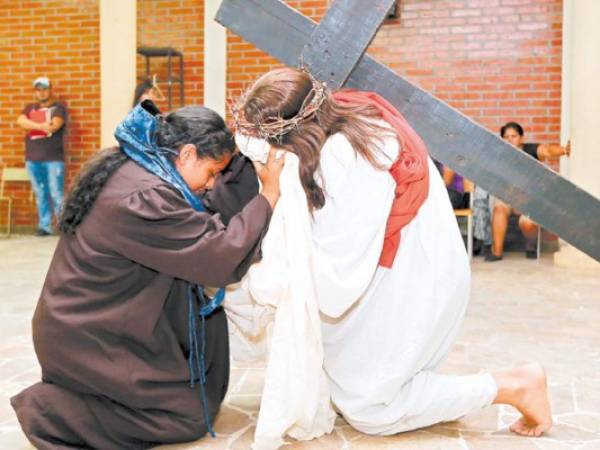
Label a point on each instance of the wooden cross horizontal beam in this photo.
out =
(452, 138)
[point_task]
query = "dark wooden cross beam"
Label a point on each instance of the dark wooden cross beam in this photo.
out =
(334, 52)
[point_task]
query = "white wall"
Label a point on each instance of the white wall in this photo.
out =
(215, 59)
(118, 26)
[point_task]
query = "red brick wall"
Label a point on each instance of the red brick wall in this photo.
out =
(58, 39)
(178, 24)
(494, 60)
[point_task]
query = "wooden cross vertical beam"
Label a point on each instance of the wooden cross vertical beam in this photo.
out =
(344, 34)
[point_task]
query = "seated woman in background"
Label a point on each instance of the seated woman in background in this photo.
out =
(133, 353)
(513, 133)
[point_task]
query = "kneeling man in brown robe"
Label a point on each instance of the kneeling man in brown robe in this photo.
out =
(117, 318)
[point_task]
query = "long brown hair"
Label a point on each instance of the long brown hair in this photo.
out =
(281, 93)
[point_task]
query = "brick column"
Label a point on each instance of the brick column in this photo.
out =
(117, 64)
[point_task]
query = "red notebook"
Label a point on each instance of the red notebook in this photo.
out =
(41, 115)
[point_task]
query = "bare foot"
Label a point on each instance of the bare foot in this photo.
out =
(525, 388)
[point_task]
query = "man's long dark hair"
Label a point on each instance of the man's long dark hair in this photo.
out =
(189, 125)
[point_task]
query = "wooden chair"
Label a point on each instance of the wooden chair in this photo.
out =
(468, 213)
(10, 174)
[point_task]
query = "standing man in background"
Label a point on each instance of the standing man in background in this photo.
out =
(45, 122)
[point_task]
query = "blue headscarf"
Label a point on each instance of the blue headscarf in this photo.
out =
(137, 138)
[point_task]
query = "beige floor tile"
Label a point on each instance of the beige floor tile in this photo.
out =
(416, 440)
(230, 420)
(520, 310)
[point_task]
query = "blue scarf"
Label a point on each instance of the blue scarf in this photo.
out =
(137, 138)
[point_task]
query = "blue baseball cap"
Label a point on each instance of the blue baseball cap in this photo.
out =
(41, 82)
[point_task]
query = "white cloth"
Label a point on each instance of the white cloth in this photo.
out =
(388, 331)
(276, 306)
(384, 331)
(254, 148)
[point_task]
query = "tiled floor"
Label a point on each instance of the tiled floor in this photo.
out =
(520, 310)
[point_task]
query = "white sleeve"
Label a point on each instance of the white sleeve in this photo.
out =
(348, 232)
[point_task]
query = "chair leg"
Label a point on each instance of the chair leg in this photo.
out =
(8, 215)
(470, 236)
(538, 249)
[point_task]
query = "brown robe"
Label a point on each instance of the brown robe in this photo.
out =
(111, 326)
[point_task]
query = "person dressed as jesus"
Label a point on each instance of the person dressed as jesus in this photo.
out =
(390, 273)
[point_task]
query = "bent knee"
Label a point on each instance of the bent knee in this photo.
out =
(502, 208)
(527, 225)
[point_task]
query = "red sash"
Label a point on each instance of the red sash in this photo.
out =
(410, 171)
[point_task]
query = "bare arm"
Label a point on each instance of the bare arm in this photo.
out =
(448, 176)
(269, 176)
(468, 185)
(54, 125)
(550, 151)
(27, 124)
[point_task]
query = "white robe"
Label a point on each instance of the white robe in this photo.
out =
(383, 331)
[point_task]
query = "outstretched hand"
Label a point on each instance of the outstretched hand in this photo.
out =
(268, 174)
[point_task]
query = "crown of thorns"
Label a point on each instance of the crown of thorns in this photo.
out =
(274, 128)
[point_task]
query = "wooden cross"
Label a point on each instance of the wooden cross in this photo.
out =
(334, 52)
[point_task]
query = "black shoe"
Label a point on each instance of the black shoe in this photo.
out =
(41, 232)
(477, 247)
(531, 254)
(490, 257)
(531, 250)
